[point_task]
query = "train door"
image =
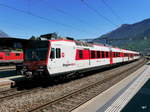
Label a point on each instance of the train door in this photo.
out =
(87, 55)
(61, 59)
(83, 58)
(122, 55)
(55, 59)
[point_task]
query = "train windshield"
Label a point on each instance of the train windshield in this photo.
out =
(36, 54)
(36, 50)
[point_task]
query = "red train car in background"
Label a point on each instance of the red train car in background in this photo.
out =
(11, 56)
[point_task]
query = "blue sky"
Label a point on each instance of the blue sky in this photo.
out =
(69, 17)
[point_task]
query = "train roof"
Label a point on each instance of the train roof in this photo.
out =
(87, 44)
(8, 41)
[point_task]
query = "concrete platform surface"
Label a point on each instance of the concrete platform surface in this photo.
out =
(115, 98)
(9, 81)
(8, 76)
(7, 67)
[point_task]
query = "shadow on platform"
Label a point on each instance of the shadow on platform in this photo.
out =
(6, 74)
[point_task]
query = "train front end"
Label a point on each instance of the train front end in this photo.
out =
(35, 59)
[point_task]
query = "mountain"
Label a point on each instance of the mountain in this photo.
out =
(129, 35)
(3, 34)
(129, 30)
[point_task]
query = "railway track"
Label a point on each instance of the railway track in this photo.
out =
(69, 102)
(12, 93)
(21, 88)
(6, 93)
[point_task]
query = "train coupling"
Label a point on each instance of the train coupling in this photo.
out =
(29, 74)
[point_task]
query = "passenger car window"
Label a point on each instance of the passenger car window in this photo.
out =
(92, 54)
(7, 54)
(80, 54)
(103, 54)
(98, 54)
(107, 55)
(17, 54)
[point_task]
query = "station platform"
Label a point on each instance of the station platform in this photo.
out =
(7, 67)
(9, 81)
(117, 97)
(8, 77)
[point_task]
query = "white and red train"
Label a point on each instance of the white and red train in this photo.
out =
(56, 57)
(9, 56)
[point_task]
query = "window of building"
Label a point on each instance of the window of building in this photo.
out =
(52, 55)
(92, 54)
(58, 53)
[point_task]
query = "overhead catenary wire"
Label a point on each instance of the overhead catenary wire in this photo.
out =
(112, 11)
(68, 14)
(60, 11)
(63, 12)
(71, 16)
(18, 27)
(98, 13)
(43, 18)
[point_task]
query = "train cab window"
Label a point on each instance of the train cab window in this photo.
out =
(103, 54)
(7, 54)
(52, 55)
(98, 54)
(17, 54)
(92, 54)
(107, 55)
(80, 54)
(58, 53)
